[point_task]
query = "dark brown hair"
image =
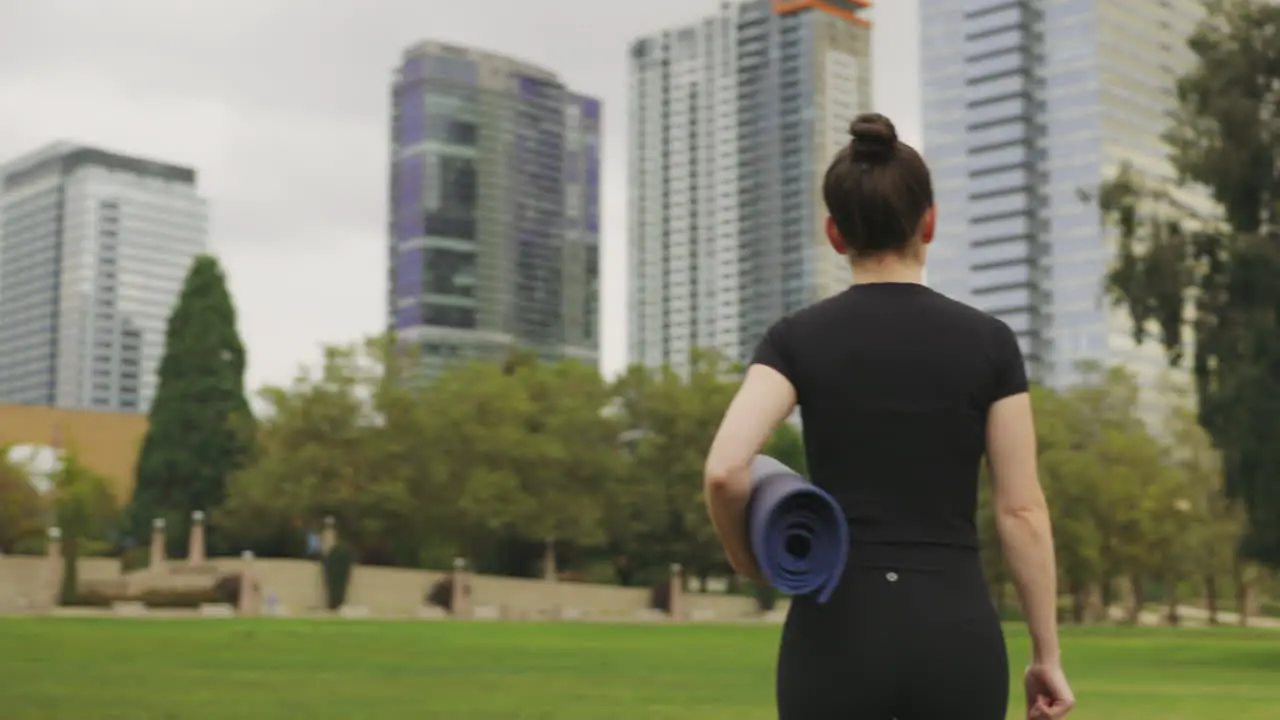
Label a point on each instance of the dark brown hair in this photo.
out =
(877, 189)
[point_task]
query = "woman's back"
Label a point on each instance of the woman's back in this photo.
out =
(894, 382)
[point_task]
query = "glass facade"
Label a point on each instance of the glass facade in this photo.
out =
(494, 208)
(736, 118)
(1028, 105)
(984, 90)
(776, 87)
(30, 258)
(93, 253)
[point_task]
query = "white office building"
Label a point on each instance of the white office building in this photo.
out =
(1027, 103)
(734, 120)
(94, 249)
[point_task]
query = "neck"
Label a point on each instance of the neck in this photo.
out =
(888, 269)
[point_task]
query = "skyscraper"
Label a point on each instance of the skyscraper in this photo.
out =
(94, 248)
(1028, 106)
(735, 119)
(494, 235)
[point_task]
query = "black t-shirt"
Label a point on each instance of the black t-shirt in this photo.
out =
(894, 382)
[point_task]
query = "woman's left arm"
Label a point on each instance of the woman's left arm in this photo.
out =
(765, 399)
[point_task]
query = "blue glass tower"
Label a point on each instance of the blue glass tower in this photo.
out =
(494, 211)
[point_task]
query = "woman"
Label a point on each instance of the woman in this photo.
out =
(901, 392)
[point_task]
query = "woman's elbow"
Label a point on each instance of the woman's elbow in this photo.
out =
(723, 478)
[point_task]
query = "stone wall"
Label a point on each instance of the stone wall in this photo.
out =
(296, 587)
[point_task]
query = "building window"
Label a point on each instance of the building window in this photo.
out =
(449, 316)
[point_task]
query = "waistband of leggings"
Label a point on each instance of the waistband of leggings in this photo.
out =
(914, 556)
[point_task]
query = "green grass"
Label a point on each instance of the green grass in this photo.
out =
(331, 669)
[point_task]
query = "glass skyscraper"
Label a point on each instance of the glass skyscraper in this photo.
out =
(1028, 106)
(734, 120)
(494, 223)
(94, 249)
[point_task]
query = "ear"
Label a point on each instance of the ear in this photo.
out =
(928, 224)
(833, 237)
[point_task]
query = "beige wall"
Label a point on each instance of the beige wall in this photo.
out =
(386, 592)
(108, 443)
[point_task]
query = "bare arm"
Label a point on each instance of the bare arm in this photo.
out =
(1022, 520)
(765, 399)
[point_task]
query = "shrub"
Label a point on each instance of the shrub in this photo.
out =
(1269, 608)
(337, 575)
(660, 596)
(178, 599)
(136, 558)
(766, 597)
(227, 589)
(441, 594)
(95, 598)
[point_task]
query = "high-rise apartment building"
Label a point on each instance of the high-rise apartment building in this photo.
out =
(494, 236)
(735, 119)
(94, 249)
(1028, 106)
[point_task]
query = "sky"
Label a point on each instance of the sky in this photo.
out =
(282, 107)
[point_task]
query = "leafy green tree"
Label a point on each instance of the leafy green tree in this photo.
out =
(631, 504)
(200, 426)
(1217, 521)
(670, 421)
(85, 510)
(1204, 283)
(573, 456)
(787, 447)
(328, 447)
(478, 427)
(1110, 488)
(22, 512)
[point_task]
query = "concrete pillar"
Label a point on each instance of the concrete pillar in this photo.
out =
(675, 600)
(329, 535)
(248, 602)
(157, 545)
(1094, 612)
(54, 567)
(549, 560)
(195, 543)
(460, 602)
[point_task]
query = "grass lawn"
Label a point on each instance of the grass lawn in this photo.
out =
(331, 669)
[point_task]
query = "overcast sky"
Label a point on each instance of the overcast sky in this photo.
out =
(282, 107)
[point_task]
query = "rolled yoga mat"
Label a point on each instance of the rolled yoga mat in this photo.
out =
(798, 532)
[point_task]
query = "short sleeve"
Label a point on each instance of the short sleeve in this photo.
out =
(1010, 370)
(774, 351)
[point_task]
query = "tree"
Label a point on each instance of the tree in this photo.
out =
(1205, 282)
(787, 447)
(573, 455)
(85, 509)
(21, 508)
(200, 426)
(477, 419)
(326, 448)
(670, 421)
(1217, 522)
(1110, 488)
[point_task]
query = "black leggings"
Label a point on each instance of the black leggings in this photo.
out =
(899, 640)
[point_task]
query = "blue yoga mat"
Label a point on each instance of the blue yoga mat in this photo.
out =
(798, 532)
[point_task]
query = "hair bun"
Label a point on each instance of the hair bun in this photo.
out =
(874, 138)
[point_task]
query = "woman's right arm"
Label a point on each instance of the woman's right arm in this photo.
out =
(1022, 520)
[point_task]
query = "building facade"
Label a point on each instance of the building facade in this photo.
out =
(735, 119)
(94, 249)
(494, 220)
(1028, 106)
